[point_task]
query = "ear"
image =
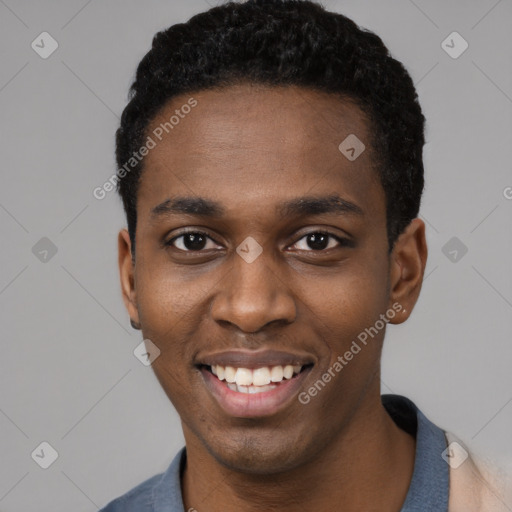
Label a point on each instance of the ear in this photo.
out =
(126, 274)
(407, 267)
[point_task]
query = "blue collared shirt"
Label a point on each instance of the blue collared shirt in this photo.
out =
(428, 491)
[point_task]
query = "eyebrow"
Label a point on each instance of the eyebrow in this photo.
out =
(301, 206)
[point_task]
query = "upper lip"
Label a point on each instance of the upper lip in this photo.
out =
(255, 359)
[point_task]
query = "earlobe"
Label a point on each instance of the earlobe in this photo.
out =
(407, 267)
(126, 274)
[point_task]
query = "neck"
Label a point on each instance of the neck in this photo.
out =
(369, 464)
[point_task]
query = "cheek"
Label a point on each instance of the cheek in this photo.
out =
(348, 311)
(352, 300)
(172, 311)
(169, 313)
(167, 303)
(351, 346)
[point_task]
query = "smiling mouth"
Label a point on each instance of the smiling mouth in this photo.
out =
(255, 380)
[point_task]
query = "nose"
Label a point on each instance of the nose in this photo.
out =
(252, 296)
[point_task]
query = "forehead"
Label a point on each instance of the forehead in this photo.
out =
(254, 141)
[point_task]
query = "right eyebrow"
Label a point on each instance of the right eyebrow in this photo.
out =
(188, 205)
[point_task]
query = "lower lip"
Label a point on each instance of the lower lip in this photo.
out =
(252, 405)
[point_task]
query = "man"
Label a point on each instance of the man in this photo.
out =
(270, 166)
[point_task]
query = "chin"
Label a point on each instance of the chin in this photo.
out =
(264, 454)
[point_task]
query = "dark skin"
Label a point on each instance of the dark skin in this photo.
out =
(250, 148)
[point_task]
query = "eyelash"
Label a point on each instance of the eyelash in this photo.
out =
(343, 242)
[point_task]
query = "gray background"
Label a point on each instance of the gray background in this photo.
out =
(68, 375)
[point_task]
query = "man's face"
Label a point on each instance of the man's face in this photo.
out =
(301, 302)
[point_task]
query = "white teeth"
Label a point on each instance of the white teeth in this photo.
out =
(276, 374)
(251, 389)
(261, 376)
(229, 374)
(288, 371)
(243, 377)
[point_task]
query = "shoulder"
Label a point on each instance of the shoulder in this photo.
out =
(162, 490)
(138, 499)
(476, 484)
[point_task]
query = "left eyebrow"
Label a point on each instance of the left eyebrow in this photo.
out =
(311, 205)
(301, 206)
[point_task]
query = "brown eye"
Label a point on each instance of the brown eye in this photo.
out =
(191, 241)
(319, 241)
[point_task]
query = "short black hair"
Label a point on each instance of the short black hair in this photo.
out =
(281, 43)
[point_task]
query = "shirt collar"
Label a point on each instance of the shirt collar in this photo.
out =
(430, 483)
(429, 488)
